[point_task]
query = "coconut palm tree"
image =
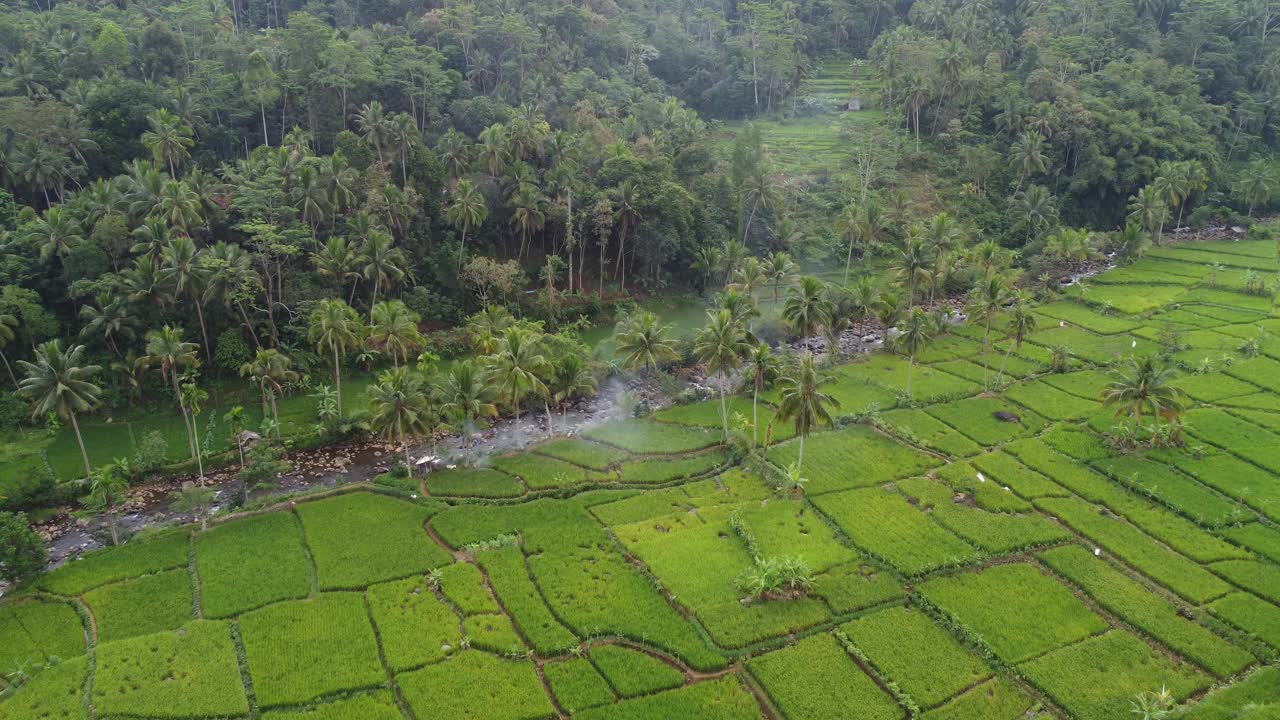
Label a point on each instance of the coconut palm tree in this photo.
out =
(1150, 209)
(184, 271)
(270, 370)
(808, 309)
(167, 138)
(741, 304)
(572, 377)
(167, 352)
(335, 328)
(749, 276)
(917, 330)
(913, 260)
(375, 128)
(985, 302)
(106, 492)
(467, 398)
(763, 368)
(642, 343)
(340, 261)
(467, 212)
(1026, 155)
(384, 263)
(56, 233)
(403, 135)
(803, 402)
(400, 408)
(626, 212)
(1144, 386)
(863, 298)
(395, 328)
(781, 270)
(112, 318)
(58, 382)
(8, 334)
(849, 225)
(1034, 210)
(1020, 322)
(515, 367)
(721, 345)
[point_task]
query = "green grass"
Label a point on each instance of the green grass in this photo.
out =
(1259, 538)
(976, 418)
(55, 694)
(1256, 697)
(1098, 678)
(520, 598)
(286, 643)
(138, 557)
(1146, 611)
(1051, 402)
(1003, 469)
(473, 482)
(1077, 314)
(449, 690)
(540, 472)
(1258, 577)
(1257, 617)
(996, 699)
(921, 428)
(650, 437)
(378, 705)
(189, 672)
(414, 626)
(362, 538)
(926, 662)
(1040, 614)
(581, 452)
(722, 699)
(816, 679)
(631, 672)
(997, 533)
(1172, 488)
(463, 585)
(885, 525)
(141, 606)
(492, 632)
(658, 471)
(852, 457)
(250, 563)
(1184, 577)
(35, 632)
(856, 586)
(577, 685)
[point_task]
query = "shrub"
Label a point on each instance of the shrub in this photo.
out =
(776, 578)
(22, 552)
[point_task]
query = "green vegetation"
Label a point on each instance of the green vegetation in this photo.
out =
(187, 672)
(478, 482)
(853, 457)
(723, 699)
(577, 685)
(449, 690)
(996, 699)
(815, 678)
(632, 672)
(391, 542)
(142, 606)
(888, 527)
(119, 563)
(378, 705)
(414, 627)
(250, 563)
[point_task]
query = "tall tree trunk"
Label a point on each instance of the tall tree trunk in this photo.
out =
(755, 415)
(800, 456)
(724, 408)
(986, 353)
(9, 369)
(911, 365)
(337, 377)
(204, 332)
(275, 414)
(186, 419)
(84, 455)
(266, 139)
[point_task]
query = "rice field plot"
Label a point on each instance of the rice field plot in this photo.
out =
(948, 347)
(706, 414)
(141, 606)
(650, 437)
(1050, 402)
(1261, 418)
(141, 556)
(920, 428)
(521, 598)
(1212, 387)
(33, 632)
(996, 533)
(1218, 315)
(995, 699)
(1261, 539)
(541, 472)
(987, 420)
(1170, 487)
(888, 527)
(631, 672)
(577, 685)
(359, 539)
(1241, 437)
(1017, 611)
(1127, 299)
(1257, 695)
(1086, 384)
(189, 672)
(473, 482)
(924, 660)
(989, 496)
(733, 486)
(1205, 256)
(855, 393)
(890, 372)
(815, 678)
(1231, 476)
(661, 470)
(856, 586)
(1149, 271)
(1138, 606)
(1183, 317)
(249, 563)
(463, 585)
(1251, 614)
(476, 686)
(581, 452)
(1187, 579)
(56, 693)
(1263, 372)
(1076, 442)
(414, 626)
(852, 457)
(287, 643)
(722, 699)
(1091, 347)
(1004, 367)
(378, 705)
(1003, 469)
(1085, 317)
(1260, 305)
(1257, 577)
(492, 632)
(1098, 678)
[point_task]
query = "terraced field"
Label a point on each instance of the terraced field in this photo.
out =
(964, 565)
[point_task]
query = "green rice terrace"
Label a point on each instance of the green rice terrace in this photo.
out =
(959, 556)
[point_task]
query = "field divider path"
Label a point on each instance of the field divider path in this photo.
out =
(242, 663)
(313, 573)
(382, 658)
(197, 603)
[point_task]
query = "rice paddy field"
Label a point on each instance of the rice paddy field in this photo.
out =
(973, 556)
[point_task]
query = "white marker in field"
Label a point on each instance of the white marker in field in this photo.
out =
(980, 478)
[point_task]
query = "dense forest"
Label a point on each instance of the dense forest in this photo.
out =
(268, 165)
